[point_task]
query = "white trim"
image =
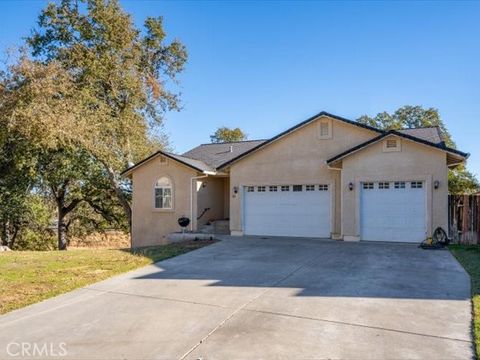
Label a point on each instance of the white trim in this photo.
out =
(191, 199)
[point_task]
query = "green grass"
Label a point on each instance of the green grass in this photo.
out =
(27, 277)
(469, 257)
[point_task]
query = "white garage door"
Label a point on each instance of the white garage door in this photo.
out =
(393, 211)
(287, 210)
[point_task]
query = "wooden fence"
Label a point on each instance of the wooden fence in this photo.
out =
(464, 218)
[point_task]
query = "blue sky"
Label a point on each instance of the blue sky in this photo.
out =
(265, 66)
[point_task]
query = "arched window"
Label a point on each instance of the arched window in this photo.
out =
(163, 194)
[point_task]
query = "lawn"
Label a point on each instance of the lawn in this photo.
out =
(469, 257)
(27, 277)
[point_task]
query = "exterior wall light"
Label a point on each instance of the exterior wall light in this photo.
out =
(436, 184)
(350, 186)
(235, 190)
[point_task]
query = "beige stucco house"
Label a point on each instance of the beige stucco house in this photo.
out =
(327, 177)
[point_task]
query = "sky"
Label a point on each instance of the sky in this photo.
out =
(266, 66)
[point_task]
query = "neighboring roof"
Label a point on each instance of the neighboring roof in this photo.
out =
(432, 134)
(440, 145)
(293, 128)
(192, 163)
(216, 154)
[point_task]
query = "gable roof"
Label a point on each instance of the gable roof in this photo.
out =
(440, 145)
(298, 126)
(216, 154)
(191, 163)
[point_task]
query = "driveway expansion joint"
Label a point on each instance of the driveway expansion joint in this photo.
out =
(356, 325)
(240, 308)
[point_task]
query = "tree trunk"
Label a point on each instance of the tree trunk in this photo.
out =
(6, 236)
(62, 230)
(120, 195)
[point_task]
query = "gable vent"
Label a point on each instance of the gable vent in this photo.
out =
(391, 143)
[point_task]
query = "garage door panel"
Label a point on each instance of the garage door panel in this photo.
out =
(393, 214)
(287, 213)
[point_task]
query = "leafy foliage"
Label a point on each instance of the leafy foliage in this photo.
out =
(225, 134)
(460, 180)
(86, 102)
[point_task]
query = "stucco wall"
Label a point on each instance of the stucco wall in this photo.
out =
(413, 162)
(298, 158)
(149, 225)
(211, 196)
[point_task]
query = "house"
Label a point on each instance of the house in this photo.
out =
(327, 177)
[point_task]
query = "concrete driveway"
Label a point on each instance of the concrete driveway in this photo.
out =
(249, 298)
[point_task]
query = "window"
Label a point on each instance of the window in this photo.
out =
(250, 189)
(399, 184)
(368, 185)
(416, 184)
(323, 187)
(384, 185)
(325, 129)
(285, 188)
(297, 187)
(163, 194)
(272, 188)
(261, 189)
(309, 187)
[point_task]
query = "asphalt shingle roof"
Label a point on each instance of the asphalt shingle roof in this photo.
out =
(210, 157)
(216, 154)
(200, 165)
(431, 134)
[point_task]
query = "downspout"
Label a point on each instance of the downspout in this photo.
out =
(191, 197)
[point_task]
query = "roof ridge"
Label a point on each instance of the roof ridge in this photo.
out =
(421, 127)
(233, 142)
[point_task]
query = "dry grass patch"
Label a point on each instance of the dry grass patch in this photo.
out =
(27, 277)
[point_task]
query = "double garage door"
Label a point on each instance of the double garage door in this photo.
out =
(389, 210)
(393, 211)
(287, 210)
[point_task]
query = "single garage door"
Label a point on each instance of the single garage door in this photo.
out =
(393, 211)
(287, 210)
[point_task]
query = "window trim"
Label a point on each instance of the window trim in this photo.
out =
(172, 194)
